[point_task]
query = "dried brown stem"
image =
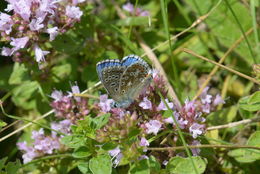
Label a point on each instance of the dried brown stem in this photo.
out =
(234, 124)
(202, 146)
(215, 69)
(222, 66)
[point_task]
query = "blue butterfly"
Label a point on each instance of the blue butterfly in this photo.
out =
(124, 80)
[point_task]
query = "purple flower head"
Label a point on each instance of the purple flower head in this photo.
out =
(153, 126)
(218, 100)
(53, 32)
(19, 43)
(105, 103)
(62, 126)
(74, 90)
(6, 23)
(6, 51)
(36, 24)
(45, 144)
(39, 53)
(196, 129)
(128, 7)
(21, 7)
(73, 12)
(205, 97)
(29, 152)
(75, 2)
(162, 106)
(116, 156)
(195, 151)
(144, 142)
(136, 12)
(146, 104)
(56, 95)
(143, 157)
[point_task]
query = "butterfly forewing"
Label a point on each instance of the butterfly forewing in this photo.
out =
(109, 72)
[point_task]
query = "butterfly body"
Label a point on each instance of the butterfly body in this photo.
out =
(124, 80)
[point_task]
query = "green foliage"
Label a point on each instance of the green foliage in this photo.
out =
(101, 164)
(248, 155)
(10, 167)
(250, 103)
(184, 166)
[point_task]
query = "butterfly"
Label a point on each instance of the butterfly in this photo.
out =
(124, 80)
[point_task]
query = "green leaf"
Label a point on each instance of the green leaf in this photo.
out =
(248, 155)
(19, 75)
(83, 167)
(13, 167)
(60, 72)
(181, 165)
(154, 164)
(81, 152)
(2, 162)
(254, 98)
(140, 167)
(101, 121)
(73, 141)
(68, 43)
(2, 124)
(250, 103)
(23, 95)
(101, 164)
(134, 21)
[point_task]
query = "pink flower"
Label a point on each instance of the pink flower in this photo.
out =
(128, 7)
(195, 151)
(163, 107)
(205, 98)
(21, 7)
(36, 24)
(6, 51)
(39, 53)
(53, 32)
(146, 104)
(196, 129)
(105, 103)
(136, 12)
(6, 23)
(153, 126)
(73, 12)
(144, 142)
(218, 100)
(19, 43)
(62, 126)
(116, 156)
(56, 95)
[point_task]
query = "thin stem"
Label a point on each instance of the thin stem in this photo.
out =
(179, 132)
(166, 26)
(222, 59)
(222, 66)
(241, 29)
(47, 158)
(202, 146)
(253, 14)
(234, 124)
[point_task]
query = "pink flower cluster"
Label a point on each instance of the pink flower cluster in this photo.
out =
(44, 144)
(147, 114)
(30, 19)
(69, 106)
(135, 11)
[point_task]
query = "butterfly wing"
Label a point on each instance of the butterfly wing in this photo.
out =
(109, 73)
(135, 77)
